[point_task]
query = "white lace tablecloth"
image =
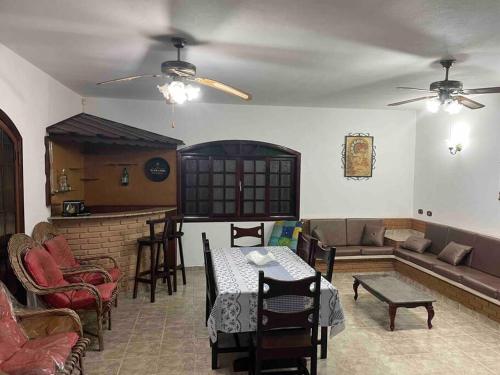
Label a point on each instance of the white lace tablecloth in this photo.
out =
(235, 309)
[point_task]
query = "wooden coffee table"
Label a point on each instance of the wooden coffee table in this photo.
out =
(396, 293)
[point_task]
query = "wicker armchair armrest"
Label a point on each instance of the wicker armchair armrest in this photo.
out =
(88, 269)
(41, 323)
(73, 287)
(98, 257)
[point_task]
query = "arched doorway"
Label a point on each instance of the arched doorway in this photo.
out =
(11, 198)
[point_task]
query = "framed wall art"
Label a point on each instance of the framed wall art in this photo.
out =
(358, 156)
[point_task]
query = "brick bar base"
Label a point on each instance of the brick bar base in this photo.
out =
(114, 236)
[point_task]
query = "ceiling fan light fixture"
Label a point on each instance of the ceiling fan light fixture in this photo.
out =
(433, 105)
(453, 107)
(176, 92)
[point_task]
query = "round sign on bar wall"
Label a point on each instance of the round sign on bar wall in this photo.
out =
(157, 169)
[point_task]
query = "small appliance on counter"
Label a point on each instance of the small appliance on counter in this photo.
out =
(74, 208)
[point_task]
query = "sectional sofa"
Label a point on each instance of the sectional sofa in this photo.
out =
(479, 272)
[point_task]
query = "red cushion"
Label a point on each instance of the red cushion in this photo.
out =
(96, 278)
(43, 268)
(41, 356)
(61, 252)
(12, 337)
(80, 299)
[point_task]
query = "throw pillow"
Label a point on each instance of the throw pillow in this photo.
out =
(454, 253)
(373, 235)
(285, 233)
(417, 244)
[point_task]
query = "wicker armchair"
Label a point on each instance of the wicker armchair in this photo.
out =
(77, 296)
(43, 329)
(44, 233)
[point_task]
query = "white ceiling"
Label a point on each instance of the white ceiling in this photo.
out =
(331, 53)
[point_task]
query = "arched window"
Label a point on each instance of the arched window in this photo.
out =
(238, 180)
(11, 196)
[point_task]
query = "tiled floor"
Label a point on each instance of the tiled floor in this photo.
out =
(169, 337)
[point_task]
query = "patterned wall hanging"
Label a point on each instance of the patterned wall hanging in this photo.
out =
(358, 156)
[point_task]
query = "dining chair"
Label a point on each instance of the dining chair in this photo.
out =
(287, 331)
(209, 294)
(255, 232)
(327, 255)
(226, 342)
(306, 248)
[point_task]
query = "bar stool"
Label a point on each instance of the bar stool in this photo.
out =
(176, 235)
(156, 242)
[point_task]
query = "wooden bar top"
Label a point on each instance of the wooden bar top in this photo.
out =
(114, 215)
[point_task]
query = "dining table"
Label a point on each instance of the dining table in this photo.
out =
(236, 278)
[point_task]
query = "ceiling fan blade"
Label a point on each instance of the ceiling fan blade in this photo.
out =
(124, 79)
(411, 100)
(223, 87)
(412, 88)
(485, 90)
(469, 103)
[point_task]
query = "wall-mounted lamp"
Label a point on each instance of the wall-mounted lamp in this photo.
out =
(459, 138)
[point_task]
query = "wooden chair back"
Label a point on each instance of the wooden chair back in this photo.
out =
(306, 248)
(19, 245)
(166, 231)
(44, 231)
(299, 314)
(209, 270)
(177, 222)
(255, 232)
(327, 254)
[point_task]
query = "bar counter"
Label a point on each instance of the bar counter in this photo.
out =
(114, 234)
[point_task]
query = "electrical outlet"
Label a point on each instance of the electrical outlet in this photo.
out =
(420, 211)
(429, 213)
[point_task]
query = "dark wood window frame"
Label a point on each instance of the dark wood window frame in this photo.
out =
(235, 177)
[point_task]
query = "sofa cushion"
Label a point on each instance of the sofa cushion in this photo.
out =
(377, 250)
(426, 260)
(438, 235)
(285, 233)
(373, 235)
(463, 237)
(79, 299)
(41, 356)
(61, 252)
(449, 271)
(486, 255)
(454, 253)
(12, 337)
(416, 243)
(482, 282)
(355, 228)
(333, 231)
(96, 278)
(43, 268)
(348, 251)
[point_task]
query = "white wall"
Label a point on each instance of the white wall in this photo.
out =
(33, 100)
(315, 132)
(460, 190)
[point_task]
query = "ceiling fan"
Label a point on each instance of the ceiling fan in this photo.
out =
(448, 94)
(181, 73)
